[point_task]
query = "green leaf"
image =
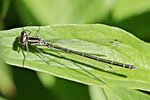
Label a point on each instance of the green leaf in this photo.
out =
(63, 12)
(65, 90)
(129, 50)
(97, 93)
(116, 93)
(7, 86)
(5, 7)
(121, 93)
(128, 8)
(2, 98)
(47, 79)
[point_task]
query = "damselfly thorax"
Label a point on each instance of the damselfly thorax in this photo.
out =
(34, 40)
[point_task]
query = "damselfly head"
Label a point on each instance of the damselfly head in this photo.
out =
(22, 37)
(23, 33)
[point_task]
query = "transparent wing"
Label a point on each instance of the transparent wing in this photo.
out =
(97, 48)
(104, 42)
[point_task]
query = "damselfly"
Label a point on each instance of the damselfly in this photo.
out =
(26, 39)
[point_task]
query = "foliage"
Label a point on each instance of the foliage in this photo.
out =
(121, 83)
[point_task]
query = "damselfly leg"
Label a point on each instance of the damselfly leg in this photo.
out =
(24, 38)
(27, 53)
(38, 32)
(79, 66)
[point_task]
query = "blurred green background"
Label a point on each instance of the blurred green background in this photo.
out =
(22, 84)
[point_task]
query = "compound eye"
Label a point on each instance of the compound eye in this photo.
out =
(23, 33)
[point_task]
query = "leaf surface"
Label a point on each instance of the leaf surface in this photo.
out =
(62, 64)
